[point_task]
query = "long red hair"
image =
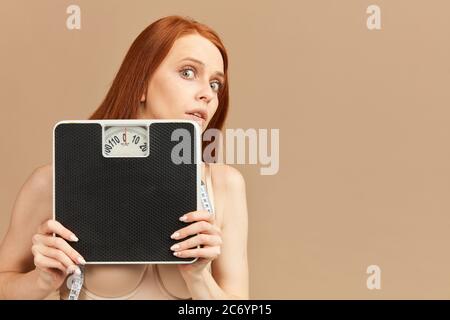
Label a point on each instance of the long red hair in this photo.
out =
(146, 53)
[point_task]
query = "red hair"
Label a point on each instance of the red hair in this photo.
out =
(142, 59)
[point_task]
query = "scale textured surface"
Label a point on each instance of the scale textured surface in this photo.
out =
(122, 209)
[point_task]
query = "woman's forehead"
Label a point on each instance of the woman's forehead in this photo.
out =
(196, 48)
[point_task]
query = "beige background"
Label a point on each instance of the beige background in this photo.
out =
(363, 116)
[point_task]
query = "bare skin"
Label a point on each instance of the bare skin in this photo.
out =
(33, 264)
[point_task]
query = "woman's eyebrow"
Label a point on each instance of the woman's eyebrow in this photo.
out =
(218, 73)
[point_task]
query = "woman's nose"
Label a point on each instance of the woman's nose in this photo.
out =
(206, 93)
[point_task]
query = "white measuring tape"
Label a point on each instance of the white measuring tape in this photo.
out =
(77, 283)
(205, 199)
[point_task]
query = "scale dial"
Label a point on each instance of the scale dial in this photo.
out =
(125, 141)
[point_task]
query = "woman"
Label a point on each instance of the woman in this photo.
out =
(175, 69)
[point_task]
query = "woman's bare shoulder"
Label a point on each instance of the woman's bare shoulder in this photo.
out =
(226, 176)
(32, 207)
(44, 173)
(229, 185)
(40, 182)
(35, 196)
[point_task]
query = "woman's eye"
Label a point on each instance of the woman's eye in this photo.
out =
(216, 86)
(187, 73)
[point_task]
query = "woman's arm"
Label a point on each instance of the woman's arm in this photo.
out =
(18, 277)
(34, 263)
(229, 279)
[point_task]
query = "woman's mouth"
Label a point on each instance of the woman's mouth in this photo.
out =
(196, 117)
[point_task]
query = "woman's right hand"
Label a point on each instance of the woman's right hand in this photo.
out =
(54, 258)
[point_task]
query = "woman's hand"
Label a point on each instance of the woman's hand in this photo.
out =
(208, 237)
(54, 258)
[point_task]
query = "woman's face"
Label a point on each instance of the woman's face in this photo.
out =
(186, 84)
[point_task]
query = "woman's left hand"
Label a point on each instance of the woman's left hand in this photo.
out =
(207, 236)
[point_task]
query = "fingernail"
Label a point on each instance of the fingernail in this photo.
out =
(81, 260)
(175, 254)
(183, 218)
(77, 271)
(175, 235)
(174, 247)
(73, 238)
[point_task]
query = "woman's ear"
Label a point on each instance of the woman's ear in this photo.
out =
(143, 97)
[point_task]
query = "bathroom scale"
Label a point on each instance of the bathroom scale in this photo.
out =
(121, 186)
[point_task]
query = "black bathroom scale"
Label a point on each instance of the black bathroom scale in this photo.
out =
(121, 186)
